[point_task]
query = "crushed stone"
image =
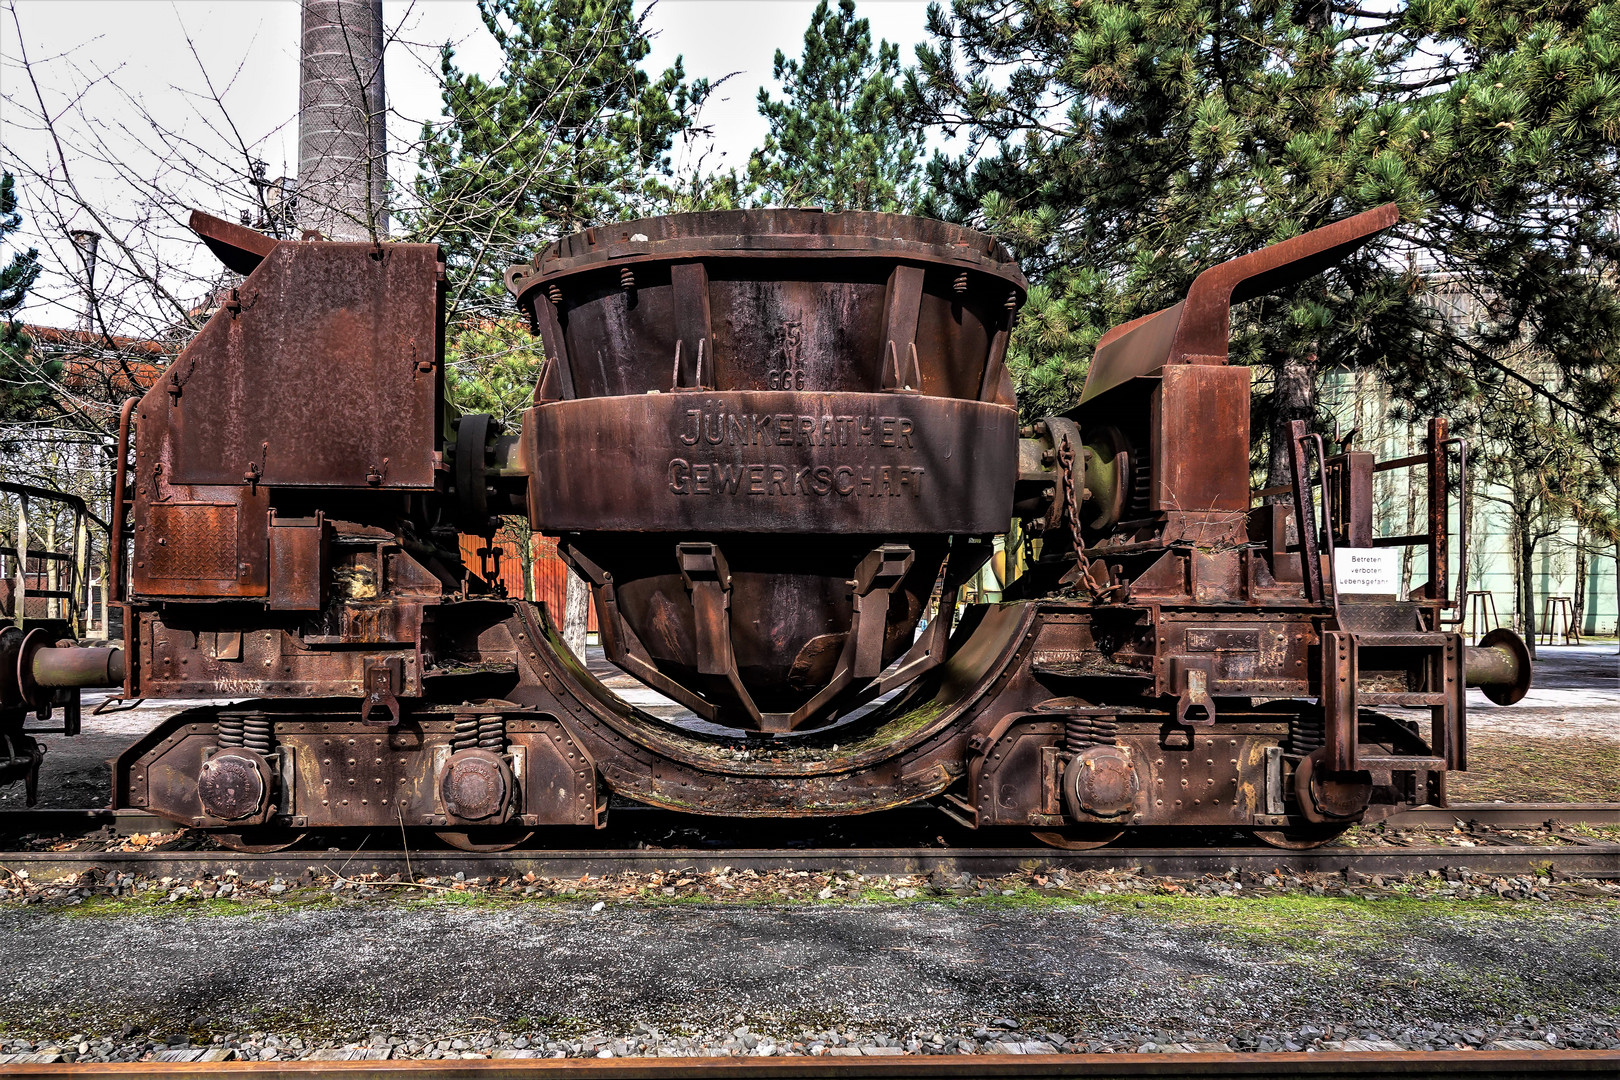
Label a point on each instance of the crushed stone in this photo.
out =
(740, 963)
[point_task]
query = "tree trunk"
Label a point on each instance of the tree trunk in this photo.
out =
(1577, 619)
(1527, 583)
(79, 606)
(525, 544)
(576, 614)
(1295, 399)
(53, 575)
(105, 607)
(19, 595)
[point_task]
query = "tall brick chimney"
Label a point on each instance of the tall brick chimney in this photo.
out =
(342, 130)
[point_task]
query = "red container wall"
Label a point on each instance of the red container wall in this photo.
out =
(550, 572)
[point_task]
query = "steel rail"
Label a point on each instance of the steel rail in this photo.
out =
(1592, 860)
(69, 821)
(1509, 815)
(1327, 1065)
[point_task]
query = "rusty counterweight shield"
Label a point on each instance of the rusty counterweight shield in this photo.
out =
(353, 326)
(352, 329)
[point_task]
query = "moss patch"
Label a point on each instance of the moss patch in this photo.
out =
(1407, 942)
(1324, 920)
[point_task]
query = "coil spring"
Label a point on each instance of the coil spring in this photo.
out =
(1080, 732)
(492, 733)
(1141, 481)
(228, 730)
(256, 733)
(1304, 733)
(466, 736)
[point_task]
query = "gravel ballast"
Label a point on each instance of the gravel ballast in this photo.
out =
(470, 974)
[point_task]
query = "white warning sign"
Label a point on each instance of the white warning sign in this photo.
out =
(1367, 570)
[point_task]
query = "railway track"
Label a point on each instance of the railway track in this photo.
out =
(1595, 860)
(1326, 1065)
(761, 851)
(76, 821)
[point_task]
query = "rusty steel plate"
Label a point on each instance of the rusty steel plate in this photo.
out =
(772, 232)
(745, 461)
(354, 327)
(205, 541)
(773, 300)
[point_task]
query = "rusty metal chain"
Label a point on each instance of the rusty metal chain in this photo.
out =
(1081, 574)
(1071, 505)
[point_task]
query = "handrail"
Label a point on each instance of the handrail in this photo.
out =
(67, 498)
(115, 544)
(1304, 513)
(1328, 582)
(1301, 481)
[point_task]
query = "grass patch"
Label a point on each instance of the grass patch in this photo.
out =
(1314, 918)
(155, 902)
(1271, 915)
(1534, 768)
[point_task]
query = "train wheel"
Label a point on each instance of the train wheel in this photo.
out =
(1299, 838)
(493, 838)
(1079, 837)
(258, 841)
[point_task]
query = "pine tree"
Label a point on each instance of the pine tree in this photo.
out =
(22, 394)
(492, 366)
(838, 136)
(573, 132)
(1122, 148)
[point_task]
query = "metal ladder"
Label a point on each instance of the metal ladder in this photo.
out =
(1435, 654)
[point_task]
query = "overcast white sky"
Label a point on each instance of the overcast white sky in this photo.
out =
(250, 48)
(257, 41)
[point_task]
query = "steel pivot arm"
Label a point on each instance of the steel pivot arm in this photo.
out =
(1197, 330)
(240, 248)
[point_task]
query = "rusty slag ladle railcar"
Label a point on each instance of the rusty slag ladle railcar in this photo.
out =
(773, 442)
